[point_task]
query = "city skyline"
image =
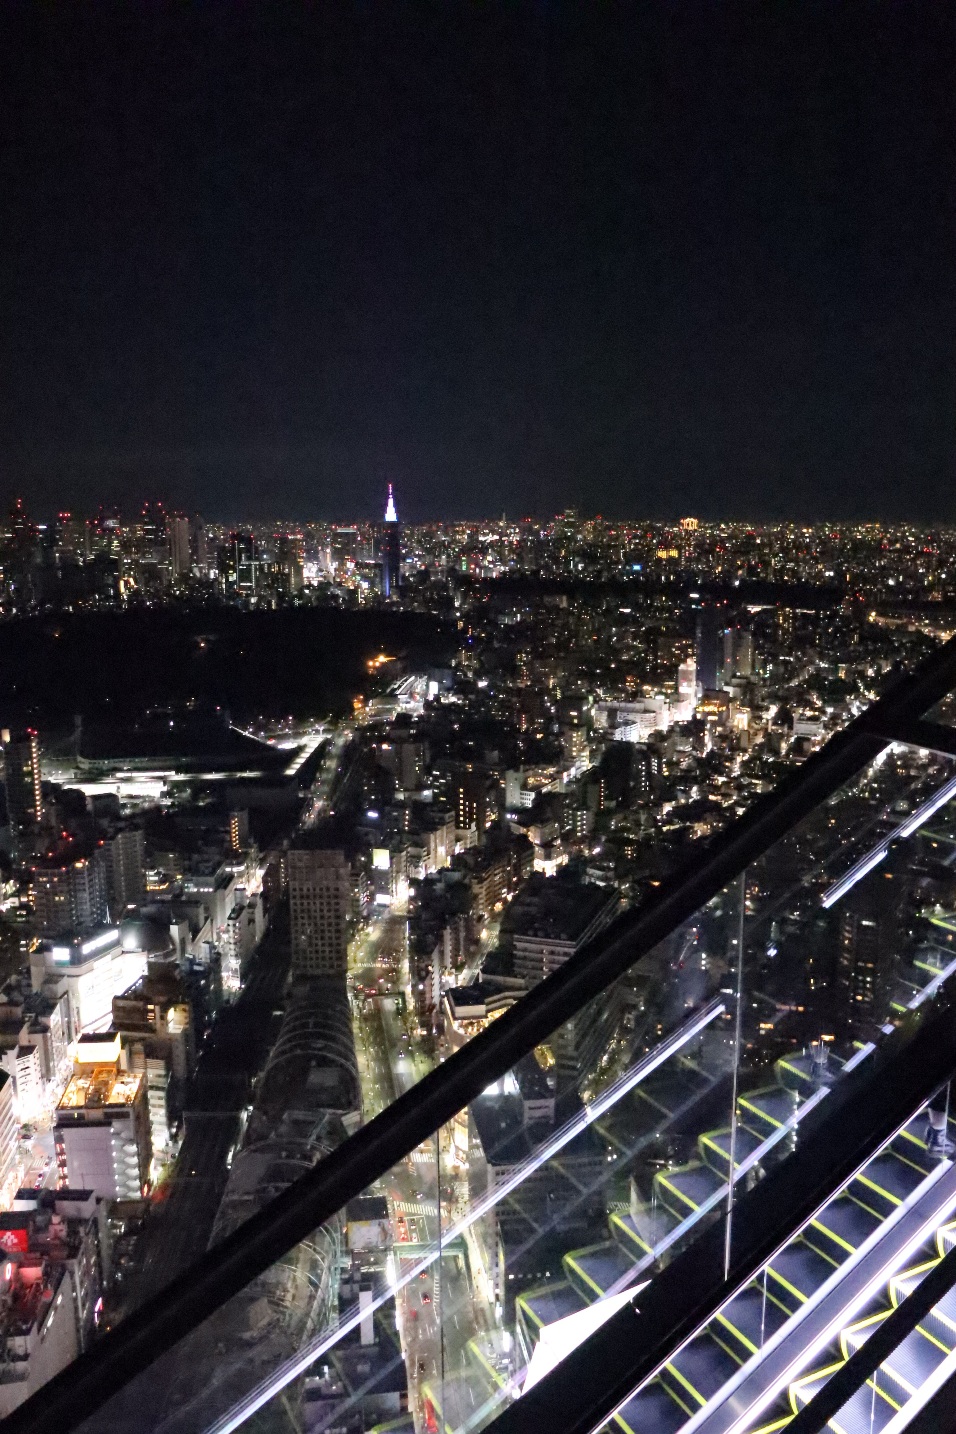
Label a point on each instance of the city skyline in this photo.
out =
(641, 260)
(477, 718)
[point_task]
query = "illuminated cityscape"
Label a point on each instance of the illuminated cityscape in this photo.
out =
(477, 719)
(232, 938)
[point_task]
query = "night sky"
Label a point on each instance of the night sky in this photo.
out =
(647, 259)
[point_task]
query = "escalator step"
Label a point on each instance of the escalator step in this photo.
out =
(867, 1412)
(911, 1144)
(764, 1111)
(856, 1335)
(750, 1319)
(887, 1181)
(594, 1270)
(909, 1366)
(903, 1284)
(841, 1228)
(685, 1189)
(940, 1324)
(652, 1225)
(698, 1370)
(653, 1410)
(799, 1073)
(796, 1272)
(946, 1238)
(714, 1148)
(625, 1232)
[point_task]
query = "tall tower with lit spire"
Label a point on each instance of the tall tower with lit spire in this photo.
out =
(390, 547)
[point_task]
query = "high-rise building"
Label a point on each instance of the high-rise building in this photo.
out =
(738, 653)
(550, 919)
(102, 1131)
(21, 779)
(390, 547)
(199, 545)
(125, 856)
(71, 539)
(686, 690)
(239, 829)
(320, 897)
(180, 555)
(869, 940)
(70, 891)
(50, 1287)
(469, 800)
(289, 569)
(239, 563)
(706, 646)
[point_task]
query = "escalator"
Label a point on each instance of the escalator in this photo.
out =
(814, 1258)
(739, 1330)
(885, 1395)
(648, 1232)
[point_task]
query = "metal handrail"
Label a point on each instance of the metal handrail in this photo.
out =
(100, 1372)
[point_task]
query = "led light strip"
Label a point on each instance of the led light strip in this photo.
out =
(292, 1368)
(906, 829)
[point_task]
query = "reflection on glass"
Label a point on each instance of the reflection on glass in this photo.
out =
(572, 1181)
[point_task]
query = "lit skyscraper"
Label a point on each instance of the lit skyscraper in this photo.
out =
(390, 547)
(21, 776)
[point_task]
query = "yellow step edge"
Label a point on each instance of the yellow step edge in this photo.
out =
(678, 1194)
(846, 1334)
(684, 1383)
(629, 1428)
(908, 1274)
(632, 1235)
(749, 1344)
(799, 1384)
(572, 1264)
(837, 1239)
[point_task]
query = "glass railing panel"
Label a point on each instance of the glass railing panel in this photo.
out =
(835, 1278)
(847, 948)
(602, 1153)
(851, 917)
(578, 1172)
(943, 712)
(336, 1326)
(562, 1182)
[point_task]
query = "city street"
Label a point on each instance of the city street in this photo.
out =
(439, 1313)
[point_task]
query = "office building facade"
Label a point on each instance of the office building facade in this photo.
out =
(320, 896)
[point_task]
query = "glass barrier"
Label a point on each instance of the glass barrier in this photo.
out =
(561, 1183)
(456, 1281)
(943, 712)
(848, 938)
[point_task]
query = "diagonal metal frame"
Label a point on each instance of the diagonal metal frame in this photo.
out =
(85, 1385)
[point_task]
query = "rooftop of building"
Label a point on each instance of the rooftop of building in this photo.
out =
(500, 1119)
(31, 1289)
(77, 949)
(559, 908)
(100, 1088)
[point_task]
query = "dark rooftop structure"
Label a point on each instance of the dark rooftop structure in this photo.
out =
(559, 908)
(190, 743)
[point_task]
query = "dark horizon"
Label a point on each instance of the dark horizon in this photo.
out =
(656, 262)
